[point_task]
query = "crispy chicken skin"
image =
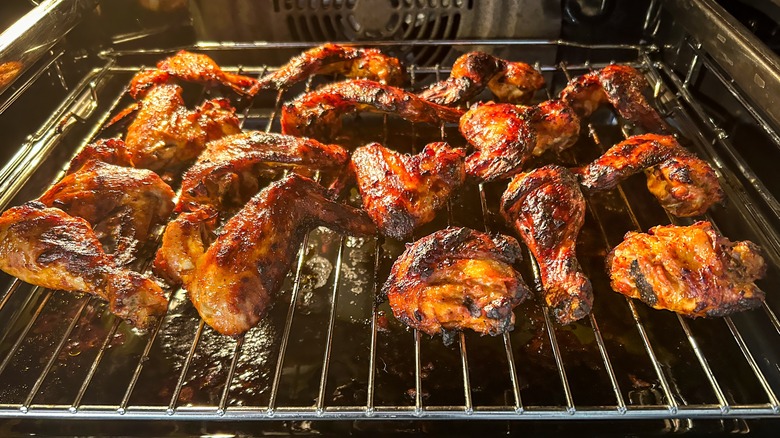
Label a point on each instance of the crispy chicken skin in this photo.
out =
(110, 151)
(166, 135)
(502, 139)
(621, 86)
(49, 248)
(512, 82)
(126, 202)
(456, 279)
(547, 209)
(236, 278)
(401, 192)
(225, 177)
(352, 62)
(691, 270)
(684, 184)
(227, 173)
(185, 239)
(556, 126)
(505, 136)
(189, 67)
(317, 114)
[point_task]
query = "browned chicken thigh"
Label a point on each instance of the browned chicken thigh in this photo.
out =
(318, 114)
(401, 192)
(621, 86)
(49, 248)
(545, 206)
(691, 270)
(352, 62)
(513, 82)
(684, 184)
(227, 173)
(123, 202)
(166, 135)
(456, 279)
(505, 136)
(235, 279)
(189, 67)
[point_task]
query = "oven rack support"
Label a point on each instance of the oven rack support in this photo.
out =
(672, 97)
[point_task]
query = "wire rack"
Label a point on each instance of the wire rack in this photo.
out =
(330, 350)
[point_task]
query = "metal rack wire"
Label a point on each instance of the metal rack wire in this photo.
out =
(648, 364)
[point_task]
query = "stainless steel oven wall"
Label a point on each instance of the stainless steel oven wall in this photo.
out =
(736, 81)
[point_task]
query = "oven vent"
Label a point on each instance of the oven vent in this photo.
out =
(397, 20)
(313, 21)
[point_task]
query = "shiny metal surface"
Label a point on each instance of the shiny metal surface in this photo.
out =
(741, 55)
(34, 34)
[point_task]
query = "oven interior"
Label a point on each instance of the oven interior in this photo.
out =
(330, 348)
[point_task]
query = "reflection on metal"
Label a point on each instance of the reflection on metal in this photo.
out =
(749, 62)
(22, 44)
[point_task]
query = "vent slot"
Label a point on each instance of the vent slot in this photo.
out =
(398, 20)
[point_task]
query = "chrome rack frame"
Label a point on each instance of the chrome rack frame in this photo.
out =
(27, 310)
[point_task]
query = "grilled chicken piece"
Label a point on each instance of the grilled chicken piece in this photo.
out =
(318, 114)
(401, 192)
(235, 279)
(684, 184)
(227, 173)
(184, 241)
(49, 248)
(545, 206)
(189, 67)
(225, 177)
(110, 151)
(166, 135)
(505, 136)
(513, 82)
(691, 270)
(456, 279)
(352, 62)
(620, 85)
(125, 202)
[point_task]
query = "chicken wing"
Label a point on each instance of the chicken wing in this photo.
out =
(227, 173)
(189, 67)
(621, 86)
(318, 114)
(505, 136)
(185, 239)
(456, 279)
(684, 184)
(691, 270)
(166, 135)
(121, 203)
(352, 62)
(402, 192)
(513, 82)
(49, 248)
(545, 206)
(236, 278)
